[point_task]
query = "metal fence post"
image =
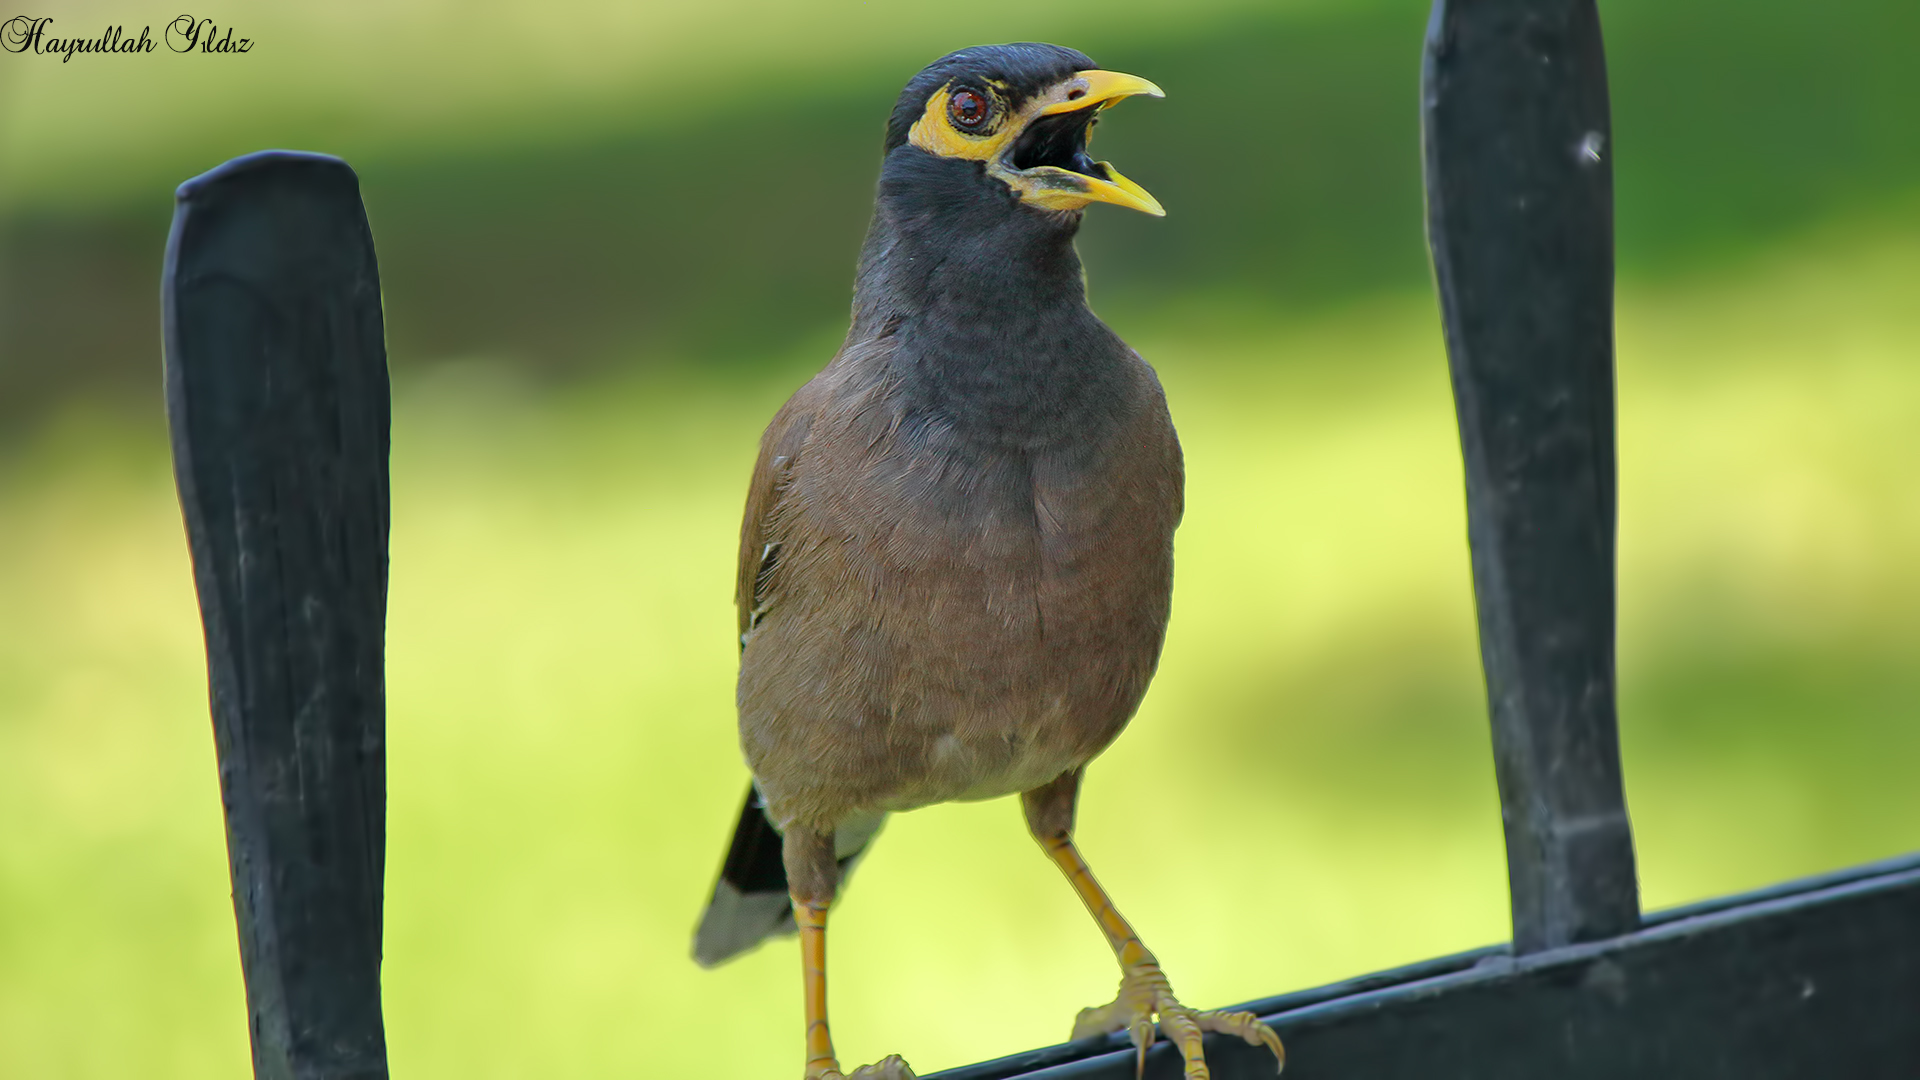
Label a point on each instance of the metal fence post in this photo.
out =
(1519, 184)
(276, 383)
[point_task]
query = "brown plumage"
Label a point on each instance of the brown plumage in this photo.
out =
(956, 562)
(927, 616)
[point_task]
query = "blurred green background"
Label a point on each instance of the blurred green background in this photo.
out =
(615, 236)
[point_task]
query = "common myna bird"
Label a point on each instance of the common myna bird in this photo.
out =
(957, 557)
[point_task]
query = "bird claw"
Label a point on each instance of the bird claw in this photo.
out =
(1146, 995)
(891, 1067)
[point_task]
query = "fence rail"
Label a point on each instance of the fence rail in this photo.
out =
(277, 395)
(1815, 978)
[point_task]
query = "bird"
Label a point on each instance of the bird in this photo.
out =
(956, 561)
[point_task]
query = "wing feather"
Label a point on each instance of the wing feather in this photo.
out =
(756, 581)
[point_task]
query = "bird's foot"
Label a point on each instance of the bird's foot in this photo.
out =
(891, 1067)
(1144, 996)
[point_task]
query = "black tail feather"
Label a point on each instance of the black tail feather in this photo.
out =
(750, 901)
(753, 859)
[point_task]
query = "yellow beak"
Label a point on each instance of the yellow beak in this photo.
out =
(1101, 88)
(1061, 188)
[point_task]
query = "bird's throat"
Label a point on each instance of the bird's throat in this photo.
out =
(988, 308)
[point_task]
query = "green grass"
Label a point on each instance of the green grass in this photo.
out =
(1307, 793)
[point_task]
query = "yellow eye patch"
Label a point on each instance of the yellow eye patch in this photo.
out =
(936, 134)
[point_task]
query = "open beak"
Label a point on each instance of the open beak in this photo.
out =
(1050, 159)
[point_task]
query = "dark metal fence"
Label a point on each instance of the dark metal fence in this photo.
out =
(277, 394)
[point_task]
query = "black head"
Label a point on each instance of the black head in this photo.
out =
(1025, 68)
(1024, 112)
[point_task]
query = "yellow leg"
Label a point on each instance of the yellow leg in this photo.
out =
(812, 919)
(1126, 944)
(1144, 991)
(821, 1062)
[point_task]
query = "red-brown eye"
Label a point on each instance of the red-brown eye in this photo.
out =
(968, 108)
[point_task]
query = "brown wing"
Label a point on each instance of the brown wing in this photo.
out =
(760, 539)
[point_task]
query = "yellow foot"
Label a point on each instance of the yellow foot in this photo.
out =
(1146, 995)
(891, 1067)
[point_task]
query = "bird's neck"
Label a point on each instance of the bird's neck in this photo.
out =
(988, 304)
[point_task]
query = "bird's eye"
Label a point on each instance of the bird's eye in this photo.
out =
(968, 108)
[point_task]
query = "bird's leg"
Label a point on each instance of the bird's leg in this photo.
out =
(812, 876)
(1145, 993)
(812, 919)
